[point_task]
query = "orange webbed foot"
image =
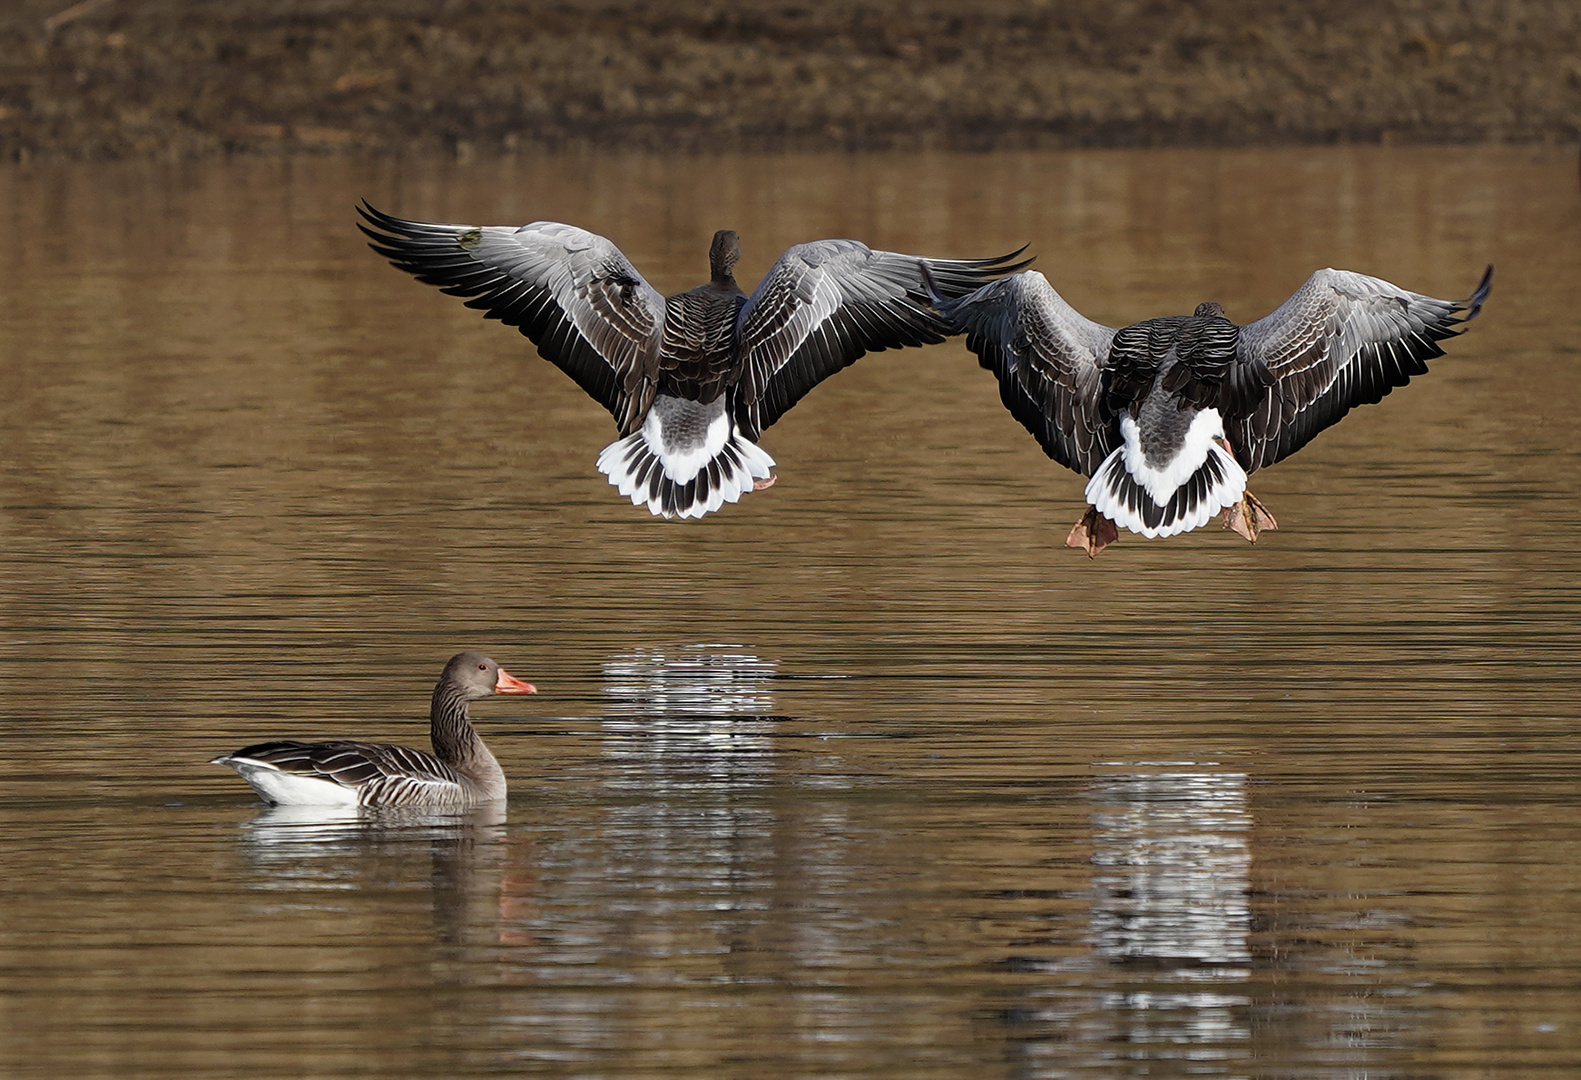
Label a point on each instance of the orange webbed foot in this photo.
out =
(1249, 517)
(1092, 533)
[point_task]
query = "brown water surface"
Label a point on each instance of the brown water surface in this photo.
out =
(865, 776)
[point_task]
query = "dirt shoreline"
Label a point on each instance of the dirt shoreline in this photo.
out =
(162, 78)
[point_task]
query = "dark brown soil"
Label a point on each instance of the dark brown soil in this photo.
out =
(185, 77)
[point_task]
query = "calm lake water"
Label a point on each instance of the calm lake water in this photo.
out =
(865, 776)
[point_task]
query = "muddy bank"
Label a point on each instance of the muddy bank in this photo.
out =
(178, 78)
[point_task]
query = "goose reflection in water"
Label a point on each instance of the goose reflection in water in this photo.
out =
(1172, 870)
(1171, 959)
(696, 680)
(287, 835)
(695, 869)
(1168, 927)
(480, 880)
(694, 715)
(1170, 887)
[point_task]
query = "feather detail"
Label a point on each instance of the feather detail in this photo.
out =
(688, 460)
(460, 773)
(822, 306)
(1180, 494)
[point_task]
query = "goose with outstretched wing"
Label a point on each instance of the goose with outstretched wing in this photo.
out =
(692, 380)
(1169, 416)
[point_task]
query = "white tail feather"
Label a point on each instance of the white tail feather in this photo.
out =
(289, 789)
(688, 460)
(1117, 494)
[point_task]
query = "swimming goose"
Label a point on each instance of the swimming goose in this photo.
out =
(1169, 416)
(692, 380)
(460, 773)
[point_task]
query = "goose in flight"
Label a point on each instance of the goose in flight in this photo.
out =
(692, 380)
(461, 772)
(1169, 416)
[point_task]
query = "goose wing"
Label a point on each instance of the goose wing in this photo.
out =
(1050, 362)
(825, 304)
(571, 292)
(1344, 339)
(350, 764)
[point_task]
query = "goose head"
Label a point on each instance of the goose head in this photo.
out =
(723, 254)
(474, 675)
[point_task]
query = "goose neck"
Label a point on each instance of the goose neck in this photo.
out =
(455, 739)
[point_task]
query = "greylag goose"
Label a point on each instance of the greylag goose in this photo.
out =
(460, 773)
(1169, 416)
(692, 380)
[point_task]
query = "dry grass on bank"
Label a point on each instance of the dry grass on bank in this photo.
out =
(164, 77)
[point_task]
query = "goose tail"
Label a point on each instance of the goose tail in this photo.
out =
(1215, 485)
(687, 460)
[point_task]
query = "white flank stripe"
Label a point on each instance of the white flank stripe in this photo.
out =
(289, 789)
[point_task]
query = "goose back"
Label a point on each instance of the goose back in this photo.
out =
(1193, 359)
(697, 356)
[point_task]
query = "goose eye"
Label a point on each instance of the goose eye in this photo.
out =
(483, 667)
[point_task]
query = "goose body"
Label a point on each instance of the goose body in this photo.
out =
(460, 773)
(692, 380)
(1168, 417)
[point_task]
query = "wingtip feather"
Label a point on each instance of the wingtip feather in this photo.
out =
(1473, 303)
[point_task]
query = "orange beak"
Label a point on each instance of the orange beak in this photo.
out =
(510, 684)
